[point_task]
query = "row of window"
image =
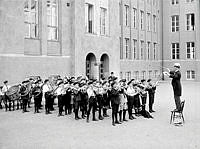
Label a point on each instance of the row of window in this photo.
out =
(139, 75)
(190, 75)
(133, 52)
(31, 12)
(175, 2)
(190, 22)
(142, 17)
(190, 50)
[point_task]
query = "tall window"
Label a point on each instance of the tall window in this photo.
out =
(154, 23)
(148, 22)
(128, 76)
(126, 15)
(136, 75)
(89, 18)
(120, 13)
(31, 18)
(190, 22)
(142, 20)
(148, 50)
(175, 23)
(154, 2)
(127, 49)
(103, 21)
(175, 51)
(154, 51)
(190, 75)
(134, 49)
(142, 50)
(174, 2)
(190, 50)
(52, 19)
(134, 18)
(150, 74)
(121, 48)
(143, 74)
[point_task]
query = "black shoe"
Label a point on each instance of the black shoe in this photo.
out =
(26, 111)
(105, 115)
(113, 123)
(94, 119)
(87, 120)
(101, 118)
(117, 122)
(125, 120)
(153, 111)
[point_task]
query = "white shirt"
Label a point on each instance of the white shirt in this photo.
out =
(90, 92)
(5, 88)
(45, 88)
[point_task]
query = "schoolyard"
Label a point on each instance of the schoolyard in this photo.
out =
(39, 131)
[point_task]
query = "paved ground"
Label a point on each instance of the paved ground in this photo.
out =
(40, 131)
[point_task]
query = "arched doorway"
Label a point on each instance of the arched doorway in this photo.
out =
(90, 66)
(104, 67)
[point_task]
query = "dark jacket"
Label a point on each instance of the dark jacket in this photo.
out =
(176, 84)
(114, 96)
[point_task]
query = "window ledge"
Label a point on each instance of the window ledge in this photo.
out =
(29, 38)
(52, 40)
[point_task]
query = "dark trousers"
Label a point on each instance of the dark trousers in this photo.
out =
(100, 104)
(68, 107)
(47, 102)
(60, 103)
(36, 104)
(93, 106)
(151, 101)
(24, 104)
(115, 108)
(130, 105)
(177, 102)
(7, 102)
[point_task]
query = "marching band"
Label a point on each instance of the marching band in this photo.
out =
(84, 95)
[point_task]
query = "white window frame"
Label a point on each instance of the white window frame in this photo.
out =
(190, 51)
(175, 23)
(31, 19)
(134, 49)
(142, 50)
(148, 50)
(154, 23)
(127, 48)
(126, 15)
(190, 75)
(154, 51)
(148, 21)
(52, 20)
(189, 26)
(103, 17)
(134, 18)
(141, 20)
(176, 50)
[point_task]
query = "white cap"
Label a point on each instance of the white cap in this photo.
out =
(177, 65)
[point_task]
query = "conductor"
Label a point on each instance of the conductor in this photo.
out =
(176, 84)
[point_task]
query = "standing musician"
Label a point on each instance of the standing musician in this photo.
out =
(115, 101)
(123, 100)
(131, 92)
(24, 92)
(106, 103)
(5, 97)
(84, 100)
(99, 95)
(92, 103)
(151, 91)
(67, 98)
(60, 92)
(77, 99)
(175, 74)
(47, 91)
(137, 103)
(1, 97)
(37, 95)
(143, 93)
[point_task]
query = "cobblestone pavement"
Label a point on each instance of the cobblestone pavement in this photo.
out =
(39, 131)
